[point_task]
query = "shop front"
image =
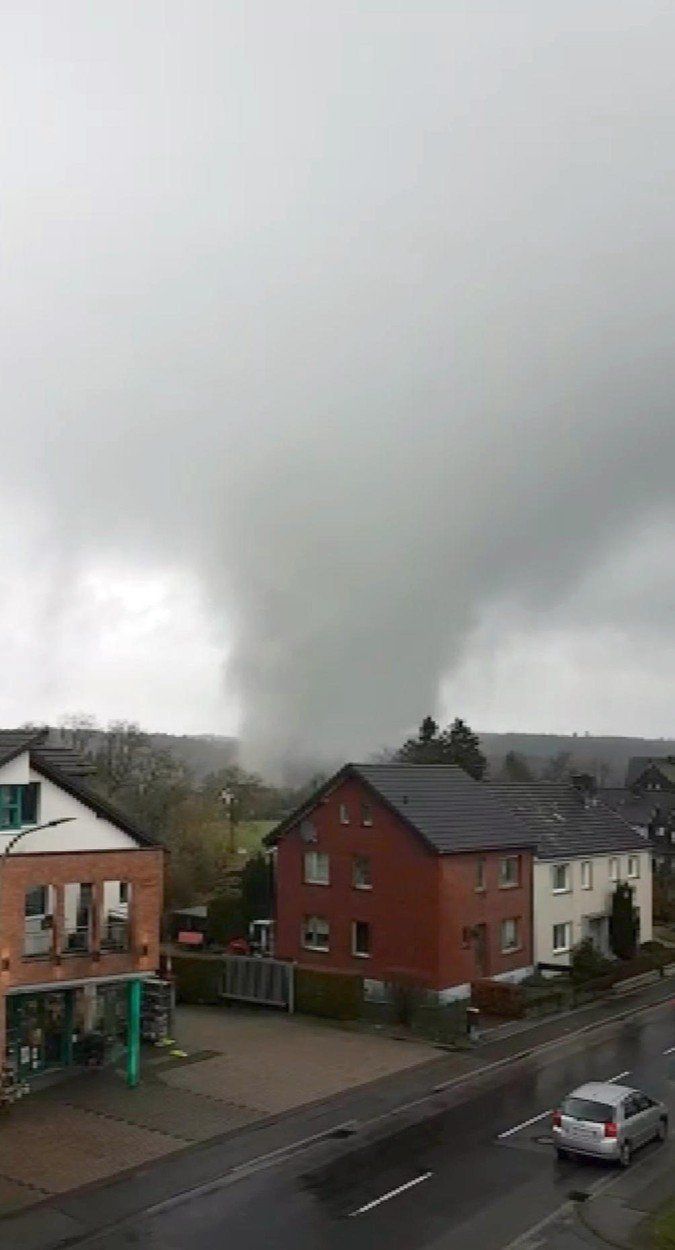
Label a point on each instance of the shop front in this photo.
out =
(51, 1029)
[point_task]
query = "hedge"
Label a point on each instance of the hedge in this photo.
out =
(338, 995)
(198, 980)
(498, 998)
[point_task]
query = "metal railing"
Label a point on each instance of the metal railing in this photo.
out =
(77, 941)
(37, 942)
(115, 934)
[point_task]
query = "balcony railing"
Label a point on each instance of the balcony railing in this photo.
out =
(115, 934)
(37, 942)
(77, 941)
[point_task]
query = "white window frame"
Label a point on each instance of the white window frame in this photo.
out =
(344, 814)
(361, 954)
(311, 875)
(367, 815)
(509, 885)
(320, 926)
(635, 860)
(480, 875)
(508, 949)
(587, 884)
(614, 862)
(567, 887)
(567, 945)
(362, 885)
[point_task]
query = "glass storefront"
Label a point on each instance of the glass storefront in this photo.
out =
(47, 1030)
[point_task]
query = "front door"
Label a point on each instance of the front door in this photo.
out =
(480, 949)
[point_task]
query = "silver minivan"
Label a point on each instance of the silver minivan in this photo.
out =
(608, 1122)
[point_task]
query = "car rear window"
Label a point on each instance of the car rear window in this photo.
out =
(585, 1109)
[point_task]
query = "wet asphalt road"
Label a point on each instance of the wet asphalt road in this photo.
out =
(439, 1177)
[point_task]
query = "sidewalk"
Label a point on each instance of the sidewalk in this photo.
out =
(621, 1215)
(195, 1144)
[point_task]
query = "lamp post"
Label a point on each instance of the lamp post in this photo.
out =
(48, 824)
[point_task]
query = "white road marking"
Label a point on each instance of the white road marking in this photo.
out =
(669, 1051)
(612, 1079)
(508, 1132)
(417, 1180)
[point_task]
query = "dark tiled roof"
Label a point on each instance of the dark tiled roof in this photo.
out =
(563, 825)
(639, 809)
(639, 763)
(445, 806)
(66, 768)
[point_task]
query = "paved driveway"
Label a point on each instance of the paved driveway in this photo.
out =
(240, 1066)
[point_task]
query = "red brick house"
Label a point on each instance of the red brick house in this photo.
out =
(394, 870)
(80, 905)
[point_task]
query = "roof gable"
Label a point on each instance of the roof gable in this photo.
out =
(67, 769)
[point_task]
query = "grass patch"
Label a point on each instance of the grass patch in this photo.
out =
(250, 833)
(663, 1229)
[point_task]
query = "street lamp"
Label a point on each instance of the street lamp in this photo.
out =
(48, 824)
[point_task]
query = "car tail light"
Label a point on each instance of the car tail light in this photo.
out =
(610, 1129)
(557, 1119)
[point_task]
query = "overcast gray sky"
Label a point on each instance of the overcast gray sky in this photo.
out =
(338, 369)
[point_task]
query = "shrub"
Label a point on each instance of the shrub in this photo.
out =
(587, 963)
(622, 922)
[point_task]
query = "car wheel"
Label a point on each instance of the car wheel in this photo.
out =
(663, 1129)
(561, 1152)
(625, 1154)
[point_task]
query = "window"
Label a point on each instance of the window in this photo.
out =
(560, 878)
(586, 874)
(366, 814)
(509, 934)
(562, 937)
(480, 873)
(360, 939)
(316, 933)
(115, 935)
(344, 814)
(466, 937)
(361, 874)
(78, 907)
(633, 866)
(18, 805)
(614, 868)
(36, 901)
(316, 868)
(10, 807)
(38, 927)
(509, 872)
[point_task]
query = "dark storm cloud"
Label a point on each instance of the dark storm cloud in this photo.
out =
(360, 313)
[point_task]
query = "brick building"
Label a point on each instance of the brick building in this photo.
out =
(399, 870)
(80, 905)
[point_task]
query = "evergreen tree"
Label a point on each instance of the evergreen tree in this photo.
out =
(622, 922)
(456, 744)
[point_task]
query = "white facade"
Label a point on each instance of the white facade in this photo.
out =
(84, 832)
(573, 900)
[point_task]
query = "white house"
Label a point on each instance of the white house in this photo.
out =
(583, 850)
